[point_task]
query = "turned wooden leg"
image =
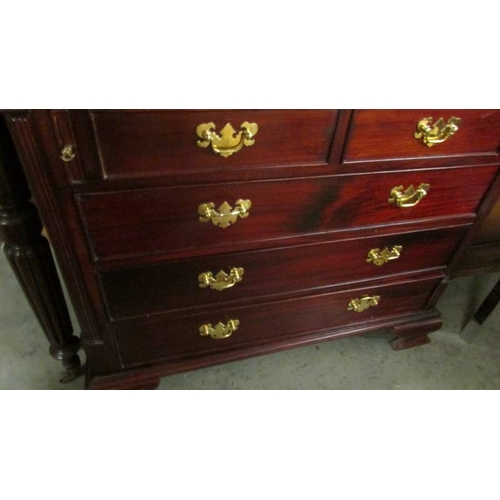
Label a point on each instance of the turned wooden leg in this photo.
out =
(416, 333)
(30, 257)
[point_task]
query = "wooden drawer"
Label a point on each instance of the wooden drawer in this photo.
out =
(390, 135)
(153, 143)
(175, 285)
(178, 336)
(166, 220)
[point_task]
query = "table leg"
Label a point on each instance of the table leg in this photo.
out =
(30, 257)
(488, 305)
(472, 328)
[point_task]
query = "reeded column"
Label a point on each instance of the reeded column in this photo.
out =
(29, 255)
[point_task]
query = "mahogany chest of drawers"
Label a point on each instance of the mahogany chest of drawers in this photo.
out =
(192, 237)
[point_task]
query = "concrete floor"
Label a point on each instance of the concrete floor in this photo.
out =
(363, 362)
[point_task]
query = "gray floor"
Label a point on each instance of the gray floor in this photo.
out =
(363, 362)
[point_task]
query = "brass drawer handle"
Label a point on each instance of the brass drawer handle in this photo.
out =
(432, 134)
(222, 281)
(227, 141)
(409, 197)
(362, 304)
(67, 153)
(224, 216)
(379, 258)
(220, 330)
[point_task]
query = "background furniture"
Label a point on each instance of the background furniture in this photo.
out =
(188, 238)
(482, 256)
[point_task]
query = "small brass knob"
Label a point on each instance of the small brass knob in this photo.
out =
(67, 153)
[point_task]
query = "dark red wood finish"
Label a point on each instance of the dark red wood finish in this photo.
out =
(127, 206)
(165, 221)
(143, 290)
(156, 143)
(381, 135)
(146, 376)
(177, 335)
(416, 333)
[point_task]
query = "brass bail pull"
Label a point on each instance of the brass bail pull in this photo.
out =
(362, 304)
(410, 197)
(220, 330)
(225, 215)
(436, 133)
(227, 141)
(380, 257)
(221, 281)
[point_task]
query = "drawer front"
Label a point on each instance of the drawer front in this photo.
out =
(166, 221)
(390, 134)
(179, 336)
(152, 143)
(247, 275)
